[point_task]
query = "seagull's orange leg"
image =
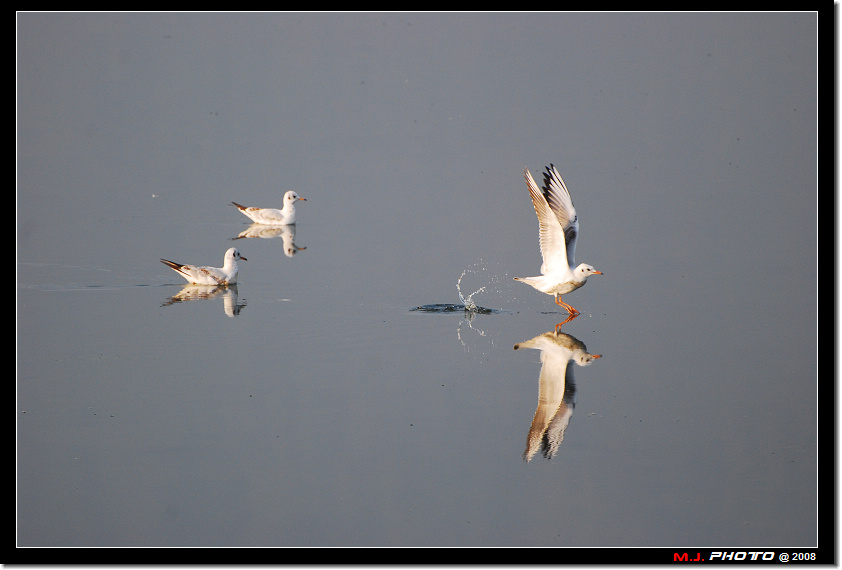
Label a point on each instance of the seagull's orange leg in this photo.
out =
(569, 308)
(571, 312)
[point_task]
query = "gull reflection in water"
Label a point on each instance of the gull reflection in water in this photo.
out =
(230, 303)
(556, 390)
(286, 233)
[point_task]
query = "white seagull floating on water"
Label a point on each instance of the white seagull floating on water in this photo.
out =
(273, 216)
(558, 228)
(226, 275)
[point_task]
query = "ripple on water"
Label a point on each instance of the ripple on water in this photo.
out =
(453, 308)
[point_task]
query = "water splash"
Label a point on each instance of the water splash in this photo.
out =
(468, 301)
(494, 288)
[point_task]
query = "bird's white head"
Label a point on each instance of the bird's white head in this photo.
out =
(292, 196)
(233, 254)
(583, 271)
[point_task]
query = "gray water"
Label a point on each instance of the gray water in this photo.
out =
(313, 405)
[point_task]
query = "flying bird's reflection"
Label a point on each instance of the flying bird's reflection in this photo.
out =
(231, 305)
(556, 390)
(286, 233)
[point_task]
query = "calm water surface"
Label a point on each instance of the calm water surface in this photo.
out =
(312, 405)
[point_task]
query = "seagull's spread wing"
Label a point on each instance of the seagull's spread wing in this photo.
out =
(558, 198)
(550, 232)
